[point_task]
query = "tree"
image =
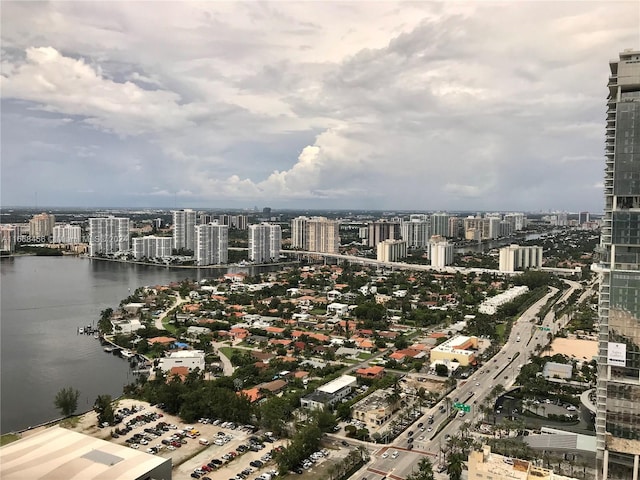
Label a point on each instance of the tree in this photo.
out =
(67, 401)
(104, 324)
(104, 409)
(442, 370)
(425, 471)
(454, 466)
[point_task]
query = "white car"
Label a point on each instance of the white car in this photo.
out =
(395, 454)
(385, 454)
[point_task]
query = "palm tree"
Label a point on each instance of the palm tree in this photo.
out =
(454, 466)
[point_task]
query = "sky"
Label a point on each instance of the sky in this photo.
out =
(321, 105)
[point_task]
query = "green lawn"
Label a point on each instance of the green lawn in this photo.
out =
(364, 356)
(169, 327)
(500, 329)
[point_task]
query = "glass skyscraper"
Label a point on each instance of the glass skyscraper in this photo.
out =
(618, 390)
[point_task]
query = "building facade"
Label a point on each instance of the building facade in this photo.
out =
(323, 235)
(212, 244)
(8, 238)
(299, 233)
(70, 234)
(184, 223)
(152, 247)
(415, 233)
(265, 242)
(382, 230)
(108, 235)
(440, 251)
(440, 224)
(41, 226)
(391, 250)
(514, 257)
(618, 389)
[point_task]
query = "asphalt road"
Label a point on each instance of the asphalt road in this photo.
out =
(502, 369)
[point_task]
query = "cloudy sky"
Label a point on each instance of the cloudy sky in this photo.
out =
(373, 105)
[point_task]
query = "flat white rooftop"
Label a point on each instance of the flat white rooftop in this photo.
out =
(186, 354)
(58, 453)
(338, 384)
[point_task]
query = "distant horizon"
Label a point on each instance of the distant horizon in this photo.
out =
(288, 209)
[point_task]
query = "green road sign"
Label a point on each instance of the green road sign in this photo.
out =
(466, 408)
(545, 329)
(462, 406)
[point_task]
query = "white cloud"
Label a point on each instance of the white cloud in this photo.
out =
(390, 105)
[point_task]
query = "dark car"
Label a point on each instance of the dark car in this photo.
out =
(420, 424)
(345, 443)
(195, 475)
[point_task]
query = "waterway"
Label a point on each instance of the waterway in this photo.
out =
(43, 300)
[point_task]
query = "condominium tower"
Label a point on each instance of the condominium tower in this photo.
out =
(108, 235)
(415, 233)
(618, 389)
(41, 226)
(323, 235)
(212, 244)
(265, 241)
(67, 234)
(152, 247)
(184, 223)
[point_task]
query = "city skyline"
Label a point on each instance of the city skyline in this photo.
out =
(393, 106)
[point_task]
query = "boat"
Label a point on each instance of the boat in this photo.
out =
(96, 336)
(80, 330)
(108, 349)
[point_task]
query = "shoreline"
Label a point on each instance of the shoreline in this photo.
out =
(151, 264)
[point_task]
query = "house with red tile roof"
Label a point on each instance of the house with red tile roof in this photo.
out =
(239, 333)
(180, 372)
(253, 394)
(280, 341)
(275, 330)
(371, 372)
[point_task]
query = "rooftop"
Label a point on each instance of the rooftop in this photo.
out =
(338, 384)
(58, 453)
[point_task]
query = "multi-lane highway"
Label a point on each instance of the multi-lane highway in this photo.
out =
(502, 369)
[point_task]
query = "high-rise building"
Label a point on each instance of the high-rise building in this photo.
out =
(70, 234)
(440, 251)
(506, 228)
(440, 224)
(265, 242)
(323, 235)
(184, 223)
(456, 227)
(212, 244)
(391, 250)
(205, 218)
(518, 220)
(415, 233)
(41, 226)
(583, 217)
(618, 388)
(239, 222)
(514, 257)
(299, 233)
(108, 235)
(152, 247)
(8, 238)
(382, 230)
